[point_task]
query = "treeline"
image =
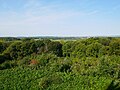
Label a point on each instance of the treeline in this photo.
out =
(19, 49)
(40, 37)
(92, 47)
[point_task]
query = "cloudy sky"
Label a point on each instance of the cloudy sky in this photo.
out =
(59, 17)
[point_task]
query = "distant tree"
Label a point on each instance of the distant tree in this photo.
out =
(25, 39)
(56, 48)
(67, 48)
(79, 51)
(89, 41)
(93, 49)
(114, 47)
(25, 48)
(104, 41)
(40, 46)
(104, 50)
(11, 51)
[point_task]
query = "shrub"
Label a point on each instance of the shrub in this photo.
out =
(24, 61)
(113, 85)
(44, 83)
(65, 68)
(106, 68)
(34, 62)
(8, 64)
(65, 65)
(50, 80)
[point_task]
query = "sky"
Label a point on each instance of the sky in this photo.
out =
(59, 18)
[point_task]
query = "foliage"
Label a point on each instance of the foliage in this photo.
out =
(115, 47)
(85, 64)
(8, 65)
(113, 86)
(93, 49)
(55, 48)
(79, 51)
(2, 58)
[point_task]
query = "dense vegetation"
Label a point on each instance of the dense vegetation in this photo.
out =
(43, 64)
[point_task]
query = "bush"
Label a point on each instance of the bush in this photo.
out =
(44, 83)
(113, 85)
(7, 65)
(24, 61)
(106, 67)
(50, 80)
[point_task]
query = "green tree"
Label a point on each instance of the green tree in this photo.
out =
(104, 41)
(67, 48)
(89, 41)
(12, 51)
(40, 46)
(55, 48)
(79, 51)
(93, 49)
(104, 50)
(114, 47)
